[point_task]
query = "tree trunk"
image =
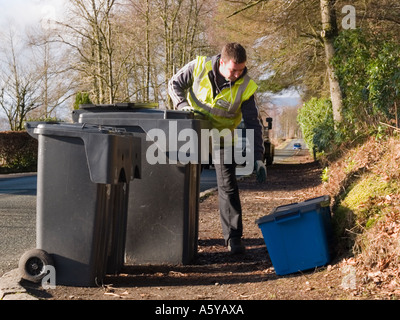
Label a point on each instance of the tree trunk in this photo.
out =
(148, 53)
(329, 32)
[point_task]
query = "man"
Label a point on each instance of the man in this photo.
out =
(220, 89)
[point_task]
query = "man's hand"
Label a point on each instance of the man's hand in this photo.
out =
(188, 108)
(261, 171)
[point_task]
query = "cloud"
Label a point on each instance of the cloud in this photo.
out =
(287, 97)
(23, 13)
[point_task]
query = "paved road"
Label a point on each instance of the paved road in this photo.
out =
(18, 210)
(17, 219)
(288, 153)
(18, 215)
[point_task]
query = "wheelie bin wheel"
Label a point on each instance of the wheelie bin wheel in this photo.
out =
(32, 265)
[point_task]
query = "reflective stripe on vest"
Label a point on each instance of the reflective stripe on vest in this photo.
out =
(229, 108)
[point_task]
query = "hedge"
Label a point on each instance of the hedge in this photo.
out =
(18, 152)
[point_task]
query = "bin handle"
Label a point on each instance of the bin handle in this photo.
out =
(288, 217)
(101, 127)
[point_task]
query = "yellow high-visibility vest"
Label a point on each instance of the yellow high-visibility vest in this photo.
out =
(223, 110)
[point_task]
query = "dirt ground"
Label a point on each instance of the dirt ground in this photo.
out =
(217, 275)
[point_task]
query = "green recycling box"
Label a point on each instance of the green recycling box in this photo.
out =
(297, 235)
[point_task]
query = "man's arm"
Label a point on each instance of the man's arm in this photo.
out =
(179, 84)
(252, 121)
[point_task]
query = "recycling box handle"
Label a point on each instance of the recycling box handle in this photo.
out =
(288, 217)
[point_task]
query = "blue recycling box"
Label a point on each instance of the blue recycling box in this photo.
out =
(297, 235)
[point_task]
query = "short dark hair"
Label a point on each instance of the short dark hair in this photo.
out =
(235, 52)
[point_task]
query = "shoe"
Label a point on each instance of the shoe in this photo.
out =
(235, 246)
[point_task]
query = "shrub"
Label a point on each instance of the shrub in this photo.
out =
(18, 152)
(316, 122)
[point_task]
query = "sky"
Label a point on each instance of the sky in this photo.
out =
(22, 13)
(286, 98)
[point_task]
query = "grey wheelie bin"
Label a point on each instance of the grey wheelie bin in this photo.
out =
(162, 225)
(82, 195)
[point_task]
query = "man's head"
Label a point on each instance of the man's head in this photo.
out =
(233, 61)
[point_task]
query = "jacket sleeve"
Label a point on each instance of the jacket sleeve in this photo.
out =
(179, 84)
(252, 121)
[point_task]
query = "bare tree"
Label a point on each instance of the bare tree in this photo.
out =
(184, 23)
(165, 35)
(127, 50)
(288, 123)
(142, 31)
(89, 31)
(168, 13)
(57, 83)
(18, 82)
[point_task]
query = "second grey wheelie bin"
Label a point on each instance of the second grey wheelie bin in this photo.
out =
(162, 225)
(82, 195)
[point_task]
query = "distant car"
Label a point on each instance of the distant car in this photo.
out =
(297, 146)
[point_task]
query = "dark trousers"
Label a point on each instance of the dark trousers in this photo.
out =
(228, 196)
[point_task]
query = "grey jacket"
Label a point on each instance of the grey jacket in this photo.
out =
(183, 80)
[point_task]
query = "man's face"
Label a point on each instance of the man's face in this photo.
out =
(230, 70)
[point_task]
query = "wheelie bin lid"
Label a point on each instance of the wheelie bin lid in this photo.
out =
(108, 149)
(119, 106)
(68, 129)
(135, 111)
